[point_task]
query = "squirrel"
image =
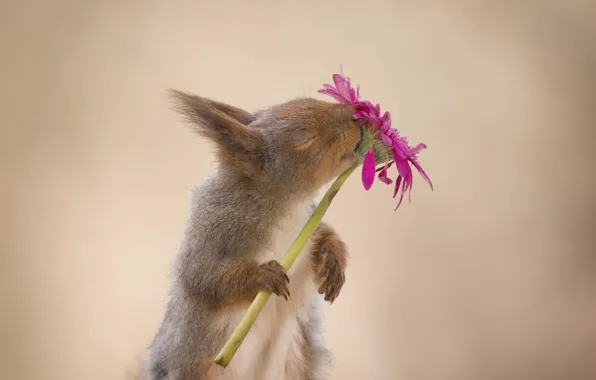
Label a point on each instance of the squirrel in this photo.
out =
(244, 216)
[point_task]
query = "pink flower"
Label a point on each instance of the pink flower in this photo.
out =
(370, 115)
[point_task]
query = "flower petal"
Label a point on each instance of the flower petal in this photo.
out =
(386, 139)
(402, 166)
(338, 80)
(386, 119)
(343, 87)
(414, 151)
(401, 198)
(385, 180)
(410, 181)
(399, 149)
(383, 176)
(333, 93)
(397, 183)
(422, 173)
(368, 169)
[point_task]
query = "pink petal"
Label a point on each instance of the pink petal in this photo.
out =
(417, 149)
(383, 176)
(385, 180)
(335, 95)
(386, 139)
(407, 185)
(393, 134)
(397, 183)
(371, 108)
(386, 127)
(402, 167)
(327, 89)
(401, 198)
(363, 111)
(410, 181)
(368, 169)
(422, 173)
(386, 118)
(342, 86)
(399, 149)
(338, 80)
(373, 124)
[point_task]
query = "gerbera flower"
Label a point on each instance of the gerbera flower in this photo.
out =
(380, 127)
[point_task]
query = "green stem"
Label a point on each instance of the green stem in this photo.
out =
(232, 345)
(227, 353)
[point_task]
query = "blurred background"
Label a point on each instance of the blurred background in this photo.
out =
(491, 276)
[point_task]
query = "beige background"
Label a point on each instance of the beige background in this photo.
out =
(492, 276)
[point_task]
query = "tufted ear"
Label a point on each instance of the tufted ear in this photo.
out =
(224, 125)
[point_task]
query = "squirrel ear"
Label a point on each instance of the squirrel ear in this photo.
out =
(223, 124)
(185, 102)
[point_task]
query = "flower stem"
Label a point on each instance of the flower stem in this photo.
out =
(227, 353)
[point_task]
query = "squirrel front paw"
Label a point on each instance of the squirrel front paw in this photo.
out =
(272, 277)
(330, 267)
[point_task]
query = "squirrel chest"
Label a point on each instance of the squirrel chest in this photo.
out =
(274, 338)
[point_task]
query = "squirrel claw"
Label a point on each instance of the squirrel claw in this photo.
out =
(272, 277)
(333, 278)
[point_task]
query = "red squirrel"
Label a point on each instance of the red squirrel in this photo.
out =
(244, 217)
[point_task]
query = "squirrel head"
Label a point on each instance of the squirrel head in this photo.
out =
(297, 146)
